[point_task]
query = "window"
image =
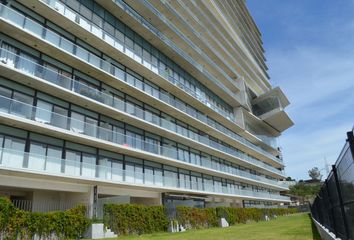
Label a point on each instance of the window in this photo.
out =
(119, 73)
(5, 99)
(13, 152)
(27, 63)
(43, 112)
(129, 45)
(137, 53)
(134, 140)
(36, 159)
(170, 178)
(77, 123)
(88, 166)
(151, 145)
(7, 54)
(72, 163)
(184, 181)
(59, 117)
(22, 105)
(109, 168)
(146, 59)
(91, 126)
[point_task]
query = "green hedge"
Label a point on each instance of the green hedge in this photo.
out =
(135, 219)
(208, 217)
(19, 224)
(197, 217)
(138, 219)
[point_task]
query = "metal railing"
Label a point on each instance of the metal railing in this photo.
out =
(35, 163)
(334, 205)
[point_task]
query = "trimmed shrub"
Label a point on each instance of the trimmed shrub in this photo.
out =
(19, 224)
(244, 215)
(135, 219)
(197, 217)
(209, 217)
(138, 219)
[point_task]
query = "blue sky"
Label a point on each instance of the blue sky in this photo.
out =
(310, 54)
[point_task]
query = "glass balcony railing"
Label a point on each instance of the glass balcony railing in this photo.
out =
(72, 124)
(268, 104)
(67, 46)
(34, 163)
(124, 48)
(186, 39)
(168, 42)
(31, 68)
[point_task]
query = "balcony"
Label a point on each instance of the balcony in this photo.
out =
(31, 68)
(43, 116)
(68, 47)
(38, 164)
(270, 106)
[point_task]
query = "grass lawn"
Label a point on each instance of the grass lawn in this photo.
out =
(294, 227)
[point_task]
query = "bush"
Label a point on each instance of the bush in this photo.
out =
(197, 217)
(209, 217)
(243, 215)
(135, 219)
(19, 224)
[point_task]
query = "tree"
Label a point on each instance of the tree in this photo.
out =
(289, 179)
(315, 174)
(305, 192)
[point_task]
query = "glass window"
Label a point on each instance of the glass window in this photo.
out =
(146, 59)
(130, 79)
(184, 181)
(7, 55)
(12, 155)
(66, 45)
(119, 43)
(5, 99)
(82, 53)
(91, 126)
(77, 123)
(43, 112)
(53, 162)
(129, 172)
(36, 160)
(59, 117)
(151, 145)
(33, 27)
(170, 178)
(154, 66)
(158, 177)
(22, 105)
(27, 63)
(88, 165)
(138, 53)
(72, 163)
(129, 45)
(119, 73)
(94, 60)
(149, 175)
(118, 135)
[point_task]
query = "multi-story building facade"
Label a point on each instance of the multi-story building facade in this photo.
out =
(139, 101)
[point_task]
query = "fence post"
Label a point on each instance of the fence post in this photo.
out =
(332, 208)
(346, 227)
(350, 140)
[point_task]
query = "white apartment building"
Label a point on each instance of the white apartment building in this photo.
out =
(137, 101)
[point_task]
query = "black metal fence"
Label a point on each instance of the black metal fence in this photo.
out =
(334, 205)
